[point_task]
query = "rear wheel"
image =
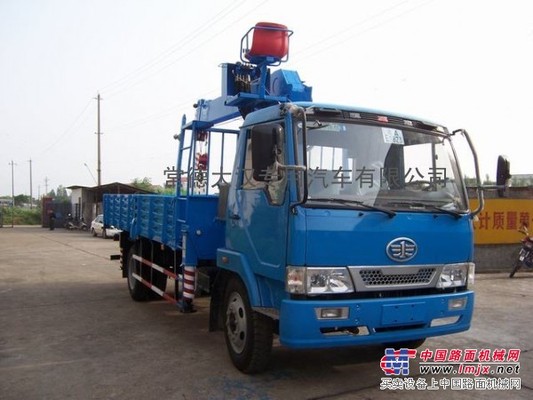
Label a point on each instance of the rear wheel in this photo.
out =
(248, 334)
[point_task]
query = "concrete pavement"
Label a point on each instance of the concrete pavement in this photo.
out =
(69, 330)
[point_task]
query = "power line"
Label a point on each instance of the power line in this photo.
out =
(315, 47)
(148, 118)
(181, 57)
(355, 25)
(172, 110)
(68, 130)
(338, 42)
(115, 87)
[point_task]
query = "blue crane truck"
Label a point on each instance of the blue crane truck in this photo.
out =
(326, 225)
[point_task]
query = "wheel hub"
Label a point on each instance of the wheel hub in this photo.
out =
(236, 323)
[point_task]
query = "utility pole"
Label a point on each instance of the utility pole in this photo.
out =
(12, 192)
(31, 189)
(98, 134)
(46, 186)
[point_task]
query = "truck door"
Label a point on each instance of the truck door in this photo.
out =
(258, 207)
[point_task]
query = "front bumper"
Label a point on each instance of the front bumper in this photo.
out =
(373, 321)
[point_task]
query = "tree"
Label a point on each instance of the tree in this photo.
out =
(167, 190)
(22, 199)
(144, 184)
(61, 193)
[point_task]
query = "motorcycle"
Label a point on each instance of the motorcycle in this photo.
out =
(73, 224)
(525, 256)
(83, 226)
(69, 223)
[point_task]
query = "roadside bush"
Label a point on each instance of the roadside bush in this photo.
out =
(20, 216)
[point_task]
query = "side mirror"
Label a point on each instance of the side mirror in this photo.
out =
(503, 174)
(264, 143)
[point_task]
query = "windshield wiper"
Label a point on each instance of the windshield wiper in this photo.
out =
(417, 205)
(390, 213)
(316, 125)
(456, 214)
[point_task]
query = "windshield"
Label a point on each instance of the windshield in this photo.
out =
(371, 165)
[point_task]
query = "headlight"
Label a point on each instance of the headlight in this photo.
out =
(314, 281)
(456, 275)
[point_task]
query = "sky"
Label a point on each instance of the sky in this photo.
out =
(461, 63)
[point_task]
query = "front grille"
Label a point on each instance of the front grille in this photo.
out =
(375, 277)
(394, 277)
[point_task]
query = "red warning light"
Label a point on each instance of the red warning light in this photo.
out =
(269, 41)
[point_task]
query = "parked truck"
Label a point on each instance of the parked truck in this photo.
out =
(326, 225)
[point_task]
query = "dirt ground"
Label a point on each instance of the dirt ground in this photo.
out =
(69, 330)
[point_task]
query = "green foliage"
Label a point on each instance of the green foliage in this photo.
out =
(20, 216)
(59, 195)
(62, 195)
(167, 190)
(22, 199)
(144, 184)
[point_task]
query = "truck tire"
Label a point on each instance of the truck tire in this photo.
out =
(138, 291)
(248, 334)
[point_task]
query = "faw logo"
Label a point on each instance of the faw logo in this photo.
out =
(401, 249)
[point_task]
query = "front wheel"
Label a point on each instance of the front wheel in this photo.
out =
(248, 334)
(517, 265)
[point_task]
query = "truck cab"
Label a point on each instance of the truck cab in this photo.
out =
(347, 226)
